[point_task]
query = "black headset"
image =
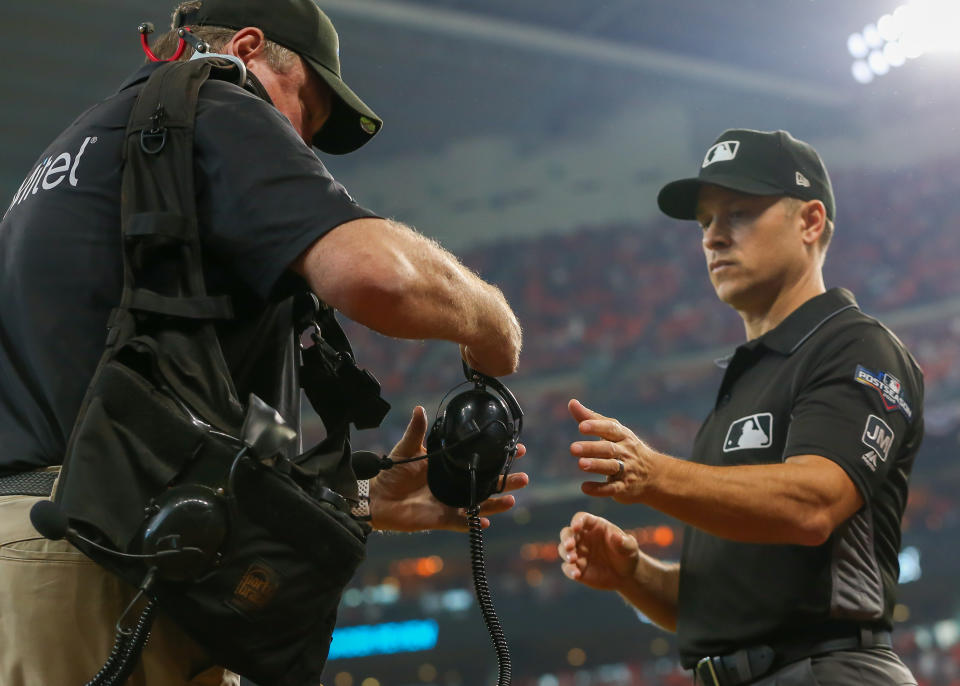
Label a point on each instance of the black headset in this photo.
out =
(186, 517)
(201, 50)
(183, 532)
(186, 526)
(473, 442)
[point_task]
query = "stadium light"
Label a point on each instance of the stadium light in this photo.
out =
(878, 64)
(857, 46)
(861, 72)
(916, 28)
(894, 55)
(872, 37)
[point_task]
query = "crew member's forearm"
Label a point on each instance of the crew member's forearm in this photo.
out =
(776, 503)
(406, 286)
(454, 304)
(654, 591)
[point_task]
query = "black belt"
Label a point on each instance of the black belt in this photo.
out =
(28, 483)
(749, 664)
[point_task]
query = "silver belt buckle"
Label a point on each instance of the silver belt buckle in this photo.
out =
(709, 675)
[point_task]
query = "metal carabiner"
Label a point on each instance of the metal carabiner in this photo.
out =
(153, 140)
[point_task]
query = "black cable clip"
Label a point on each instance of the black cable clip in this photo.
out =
(198, 44)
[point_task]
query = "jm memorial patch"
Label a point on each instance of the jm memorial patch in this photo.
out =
(878, 436)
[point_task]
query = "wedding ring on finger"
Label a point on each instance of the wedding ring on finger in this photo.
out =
(620, 469)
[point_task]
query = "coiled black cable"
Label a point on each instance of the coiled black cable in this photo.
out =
(126, 649)
(483, 598)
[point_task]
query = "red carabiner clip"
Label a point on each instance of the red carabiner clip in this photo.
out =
(147, 28)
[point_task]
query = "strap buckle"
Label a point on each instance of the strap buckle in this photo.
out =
(740, 667)
(153, 140)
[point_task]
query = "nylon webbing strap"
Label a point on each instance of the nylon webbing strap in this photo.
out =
(159, 198)
(198, 307)
(164, 224)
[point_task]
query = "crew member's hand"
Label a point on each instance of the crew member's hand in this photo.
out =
(489, 361)
(400, 499)
(597, 553)
(468, 357)
(626, 461)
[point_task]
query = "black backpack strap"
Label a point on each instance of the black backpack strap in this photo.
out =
(197, 307)
(163, 271)
(164, 295)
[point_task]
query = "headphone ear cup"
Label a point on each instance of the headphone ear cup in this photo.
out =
(435, 436)
(476, 428)
(449, 485)
(188, 516)
(446, 483)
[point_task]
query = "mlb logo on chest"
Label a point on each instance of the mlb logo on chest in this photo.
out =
(753, 431)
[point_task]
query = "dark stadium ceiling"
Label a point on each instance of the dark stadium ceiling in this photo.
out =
(439, 71)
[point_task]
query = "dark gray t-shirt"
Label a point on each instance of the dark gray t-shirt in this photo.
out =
(263, 197)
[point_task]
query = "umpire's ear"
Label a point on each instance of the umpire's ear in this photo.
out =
(812, 220)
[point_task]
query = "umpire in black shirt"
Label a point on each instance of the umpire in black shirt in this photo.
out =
(798, 480)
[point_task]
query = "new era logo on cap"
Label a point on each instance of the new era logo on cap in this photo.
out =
(723, 151)
(803, 180)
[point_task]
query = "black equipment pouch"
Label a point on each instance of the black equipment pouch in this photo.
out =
(161, 416)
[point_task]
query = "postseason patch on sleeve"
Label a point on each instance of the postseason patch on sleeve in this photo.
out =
(888, 386)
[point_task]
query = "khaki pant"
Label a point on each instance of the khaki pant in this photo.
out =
(58, 612)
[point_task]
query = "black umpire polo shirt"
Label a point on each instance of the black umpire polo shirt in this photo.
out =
(828, 381)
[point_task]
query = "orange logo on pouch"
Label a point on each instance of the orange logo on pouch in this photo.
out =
(256, 588)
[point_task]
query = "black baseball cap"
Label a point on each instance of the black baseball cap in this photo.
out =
(301, 26)
(754, 162)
